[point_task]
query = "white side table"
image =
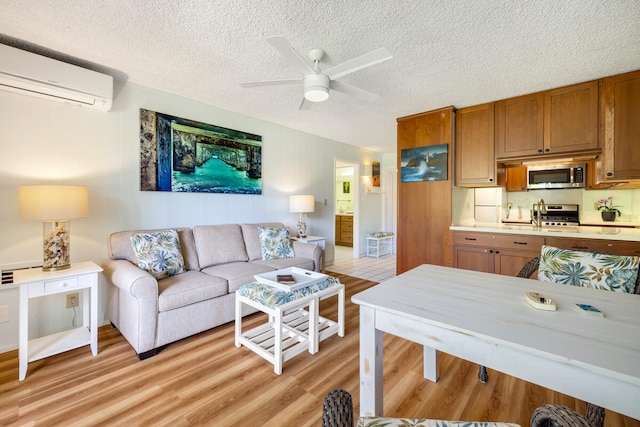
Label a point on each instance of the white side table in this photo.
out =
(314, 240)
(36, 283)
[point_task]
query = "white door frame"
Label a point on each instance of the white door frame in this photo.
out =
(356, 200)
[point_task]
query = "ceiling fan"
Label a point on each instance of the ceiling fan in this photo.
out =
(317, 82)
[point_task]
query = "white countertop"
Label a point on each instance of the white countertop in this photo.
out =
(584, 232)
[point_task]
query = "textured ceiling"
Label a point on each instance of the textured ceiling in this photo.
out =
(445, 53)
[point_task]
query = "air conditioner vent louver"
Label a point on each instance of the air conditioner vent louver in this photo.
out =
(7, 277)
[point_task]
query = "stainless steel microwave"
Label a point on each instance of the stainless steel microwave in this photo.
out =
(556, 175)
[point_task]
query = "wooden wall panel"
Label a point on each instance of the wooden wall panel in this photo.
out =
(424, 208)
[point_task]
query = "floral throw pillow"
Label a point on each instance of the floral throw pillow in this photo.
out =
(593, 270)
(275, 243)
(159, 253)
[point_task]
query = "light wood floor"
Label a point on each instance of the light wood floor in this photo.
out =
(206, 380)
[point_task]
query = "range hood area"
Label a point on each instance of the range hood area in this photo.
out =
(552, 159)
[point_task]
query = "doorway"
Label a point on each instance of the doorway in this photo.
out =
(346, 205)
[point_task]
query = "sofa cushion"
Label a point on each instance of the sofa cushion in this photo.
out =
(237, 273)
(219, 244)
(119, 246)
(188, 288)
(275, 243)
(252, 240)
(158, 253)
(590, 269)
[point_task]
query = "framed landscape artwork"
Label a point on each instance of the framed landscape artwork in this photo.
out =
(375, 173)
(183, 155)
(427, 163)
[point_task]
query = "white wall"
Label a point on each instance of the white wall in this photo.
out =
(47, 142)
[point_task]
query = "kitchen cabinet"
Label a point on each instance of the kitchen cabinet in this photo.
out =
(516, 178)
(474, 147)
(620, 127)
(494, 253)
(594, 179)
(424, 208)
(519, 124)
(344, 230)
(571, 118)
(619, 247)
(550, 123)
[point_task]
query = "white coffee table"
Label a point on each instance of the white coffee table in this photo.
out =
(290, 329)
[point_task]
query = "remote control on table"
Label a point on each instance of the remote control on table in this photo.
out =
(539, 301)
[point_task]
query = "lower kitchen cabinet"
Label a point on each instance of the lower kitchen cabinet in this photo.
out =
(494, 253)
(619, 247)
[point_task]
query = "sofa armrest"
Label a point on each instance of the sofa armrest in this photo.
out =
(310, 251)
(133, 303)
(131, 279)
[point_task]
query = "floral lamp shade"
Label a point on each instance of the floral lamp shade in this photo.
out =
(54, 205)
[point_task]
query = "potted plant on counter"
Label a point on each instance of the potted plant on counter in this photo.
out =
(607, 210)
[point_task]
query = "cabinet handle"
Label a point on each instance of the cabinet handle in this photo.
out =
(497, 252)
(490, 179)
(488, 251)
(539, 151)
(579, 247)
(470, 238)
(546, 150)
(520, 243)
(609, 174)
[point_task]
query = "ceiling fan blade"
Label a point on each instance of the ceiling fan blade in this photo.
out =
(368, 59)
(354, 91)
(271, 83)
(290, 53)
(305, 104)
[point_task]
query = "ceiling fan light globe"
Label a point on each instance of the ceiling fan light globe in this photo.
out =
(316, 87)
(316, 94)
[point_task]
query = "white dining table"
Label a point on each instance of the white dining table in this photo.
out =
(483, 318)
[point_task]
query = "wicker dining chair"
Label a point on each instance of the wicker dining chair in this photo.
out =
(337, 410)
(553, 415)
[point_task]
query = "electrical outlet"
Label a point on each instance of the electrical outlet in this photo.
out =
(72, 299)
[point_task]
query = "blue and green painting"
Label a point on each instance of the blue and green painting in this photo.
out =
(427, 163)
(184, 155)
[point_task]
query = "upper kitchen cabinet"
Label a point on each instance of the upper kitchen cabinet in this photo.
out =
(548, 124)
(519, 126)
(474, 147)
(571, 118)
(620, 128)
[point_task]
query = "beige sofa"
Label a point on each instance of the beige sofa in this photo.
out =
(218, 260)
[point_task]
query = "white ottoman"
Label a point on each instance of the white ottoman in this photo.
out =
(290, 329)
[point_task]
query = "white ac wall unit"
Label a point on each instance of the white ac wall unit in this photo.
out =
(30, 74)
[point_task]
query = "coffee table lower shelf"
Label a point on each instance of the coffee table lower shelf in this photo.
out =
(290, 329)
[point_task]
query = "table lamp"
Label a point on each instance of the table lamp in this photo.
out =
(54, 205)
(301, 204)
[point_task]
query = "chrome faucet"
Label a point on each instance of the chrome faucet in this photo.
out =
(542, 209)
